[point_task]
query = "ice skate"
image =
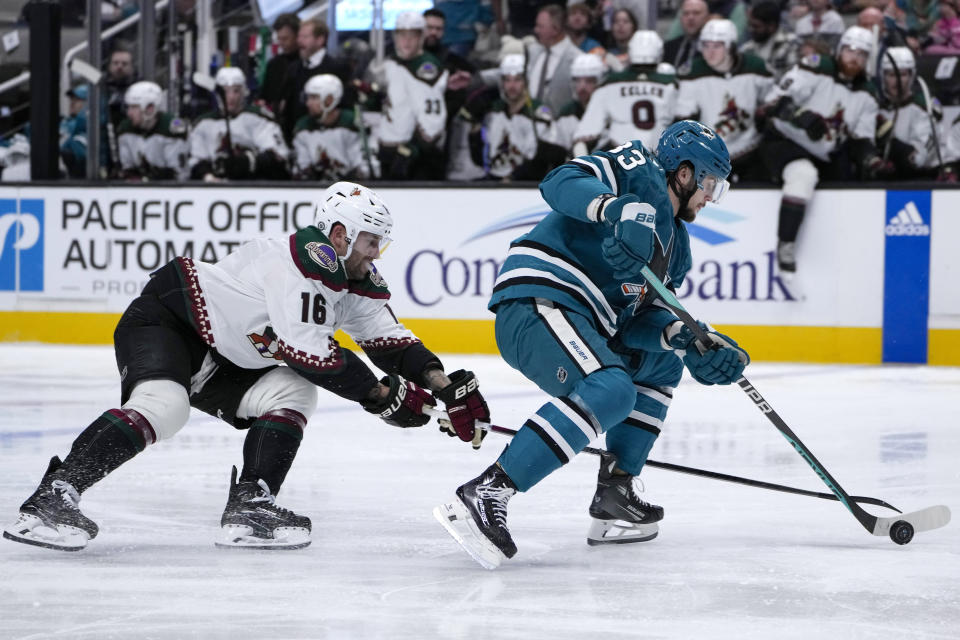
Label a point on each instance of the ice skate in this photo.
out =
(50, 518)
(252, 520)
(477, 519)
(619, 516)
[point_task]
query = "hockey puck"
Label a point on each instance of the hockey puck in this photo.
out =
(901, 532)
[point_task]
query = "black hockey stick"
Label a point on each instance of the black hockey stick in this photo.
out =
(899, 528)
(693, 471)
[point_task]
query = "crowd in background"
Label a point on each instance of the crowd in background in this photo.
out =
(505, 92)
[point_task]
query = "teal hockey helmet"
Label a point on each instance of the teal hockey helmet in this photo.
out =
(698, 144)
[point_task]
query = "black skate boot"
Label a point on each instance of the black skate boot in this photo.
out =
(51, 518)
(252, 519)
(478, 518)
(619, 516)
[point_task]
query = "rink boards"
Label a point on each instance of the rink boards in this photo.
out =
(876, 268)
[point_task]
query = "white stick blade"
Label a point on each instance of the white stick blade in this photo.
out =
(922, 520)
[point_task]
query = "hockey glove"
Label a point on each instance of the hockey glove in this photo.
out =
(876, 168)
(813, 123)
(465, 407)
(631, 246)
(720, 362)
(239, 165)
(403, 406)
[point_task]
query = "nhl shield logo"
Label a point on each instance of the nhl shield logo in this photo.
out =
(561, 374)
(428, 71)
(323, 255)
(376, 278)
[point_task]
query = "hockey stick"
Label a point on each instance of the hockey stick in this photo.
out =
(692, 471)
(899, 528)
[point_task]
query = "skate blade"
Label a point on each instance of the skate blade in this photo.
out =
(29, 529)
(457, 521)
(620, 532)
(284, 538)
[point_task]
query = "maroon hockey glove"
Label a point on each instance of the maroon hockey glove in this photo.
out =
(403, 406)
(465, 406)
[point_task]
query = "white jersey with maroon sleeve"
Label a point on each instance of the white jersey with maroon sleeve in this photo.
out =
(274, 300)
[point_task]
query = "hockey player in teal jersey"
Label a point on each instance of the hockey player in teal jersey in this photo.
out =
(574, 315)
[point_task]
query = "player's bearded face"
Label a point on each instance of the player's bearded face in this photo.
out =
(366, 249)
(852, 62)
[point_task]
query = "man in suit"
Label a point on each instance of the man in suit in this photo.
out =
(314, 60)
(548, 73)
(679, 51)
(286, 27)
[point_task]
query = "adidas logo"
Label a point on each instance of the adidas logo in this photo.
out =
(907, 222)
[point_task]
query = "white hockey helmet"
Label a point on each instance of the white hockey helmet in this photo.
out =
(358, 209)
(143, 94)
(587, 65)
(513, 64)
(412, 20)
(645, 47)
(230, 77)
(720, 30)
(899, 59)
(328, 88)
(856, 38)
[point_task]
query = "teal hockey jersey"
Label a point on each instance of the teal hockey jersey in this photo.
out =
(561, 259)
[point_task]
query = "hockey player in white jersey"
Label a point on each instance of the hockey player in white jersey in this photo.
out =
(723, 88)
(517, 140)
(327, 141)
(905, 130)
(251, 147)
(636, 104)
(822, 122)
(412, 131)
(152, 143)
(587, 72)
(246, 340)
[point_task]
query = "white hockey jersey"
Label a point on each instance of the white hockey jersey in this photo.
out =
(566, 123)
(726, 101)
(850, 109)
(911, 124)
(512, 139)
(154, 153)
(253, 129)
(629, 106)
(274, 300)
(415, 100)
(332, 153)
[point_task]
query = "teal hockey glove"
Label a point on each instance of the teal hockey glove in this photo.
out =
(721, 362)
(631, 246)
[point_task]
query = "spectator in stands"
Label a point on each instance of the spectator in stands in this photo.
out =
(328, 142)
(153, 143)
(587, 73)
(285, 30)
(822, 23)
(520, 140)
(823, 115)
(733, 10)
(945, 34)
(251, 148)
(918, 18)
(905, 127)
(461, 70)
(73, 133)
(636, 104)
(623, 25)
(461, 18)
(643, 11)
(768, 40)
(723, 89)
(120, 75)
(314, 60)
(412, 131)
(578, 24)
(548, 71)
(680, 50)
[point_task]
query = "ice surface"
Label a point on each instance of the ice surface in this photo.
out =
(730, 562)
